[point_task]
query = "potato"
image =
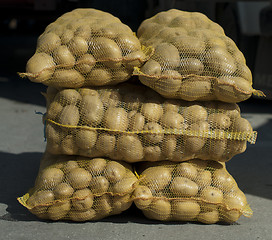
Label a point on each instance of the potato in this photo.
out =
(69, 165)
(212, 195)
(79, 178)
(85, 63)
(203, 178)
(142, 197)
(223, 180)
(235, 147)
(209, 217)
(53, 111)
(216, 148)
(68, 145)
(219, 121)
(156, 178)
(63, 191)
(199, 164)
(116, 119)
(241, 125)
(66, 36)
(98, 77)
(159, 209)
(106, 51)
(153, 133)
(83, 31)
(190, 66)
(99, 185)
(62, 56)
(78, 46)
(195, 113)
(186, 170)
(92, 110)
(168, 146)
(59, 210)
(103, 206)
(183, 187)
(69, 115)
(85, 139)
(171, 105)
(110, 98)
(150, 68)
(134, 59)
(136, 122)
(152, 153)
(82, 199)
(105, 143)
(67, 78)
(48, 42)
(169, 83)
(235, 200)
(172, 120)
(152, 111)
(96, 166)
(127, 43)
(81, 216)
(128, 153)
(121, 203)
(185, 210)
(40, 67)
(230, 216)
(114, 171)
(167, 55)
(194, 89)
(49, 178)
(68, 97)
(133, 100)
(125, 185)
(40, 198)
(244, 72)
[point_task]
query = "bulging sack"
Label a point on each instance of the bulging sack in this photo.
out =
(85, 47)
(133, 123)
(80, 189)
(193, 59)
(195, 190)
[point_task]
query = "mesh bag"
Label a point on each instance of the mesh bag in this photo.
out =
(80, 189)
(193, 59)
(85, 47)
(195, 190)
(133, 123)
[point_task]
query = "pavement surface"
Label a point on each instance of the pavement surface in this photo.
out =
(22, 146)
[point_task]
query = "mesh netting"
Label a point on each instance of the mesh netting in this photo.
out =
(195, 190)
(85, 47)
(193, 59)
(134, 123)
(80, 189)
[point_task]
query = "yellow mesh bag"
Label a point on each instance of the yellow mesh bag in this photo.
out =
(80, 189)
(133, 123)
(193, 59)
(195, 190)
(85, 47)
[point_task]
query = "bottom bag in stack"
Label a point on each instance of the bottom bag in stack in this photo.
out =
(195, 190)
(79, 188)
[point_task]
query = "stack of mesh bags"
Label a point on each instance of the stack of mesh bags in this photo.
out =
(110, 146)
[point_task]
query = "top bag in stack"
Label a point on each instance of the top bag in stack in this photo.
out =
(193, 59)
(85, 47)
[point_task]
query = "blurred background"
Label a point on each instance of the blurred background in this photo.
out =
(248, 23)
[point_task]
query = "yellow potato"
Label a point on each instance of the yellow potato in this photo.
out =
(69, 115)
(195, 113)
(42, 66)
(241, 125)
(40, 198)
(66, 36)
(59, 210)
(110, 98)
(99, 185)
(230, 216)
(134, 59)
(223, 180)
(190, 66)
(167, 55)
(96, 166)
(114, 171)
(171, 105)
(219, 120)
(203, 178)
(81, 216)
(183, 187)
(106, 51)
(185, 210)
(116, 119)
(125, 185)
(172, 120)
(49, 178)
(235, 200)
(216, 149)
(128, 153)
(212, 195)
(85, 139)
(156, 178)
(154, 133)
(53, 111)
(169, 146)
(159, 209)
(62, 56)
(209, 217)
(68, 145)
(78, 46)
(99, 77)
(85, 63)
(68, 97)
(186, 170)
(127, 43)
(69, 165)
(244, 72)
(82, 199)
(92, 110)
(63, 191)
(136, 122)
(121, 203)
(152, 153)
(150, 68)
(67, 78)
(152, 111)
(142, 197)
(48, 42)
(235, 147)
(79, 178)
(103, 206)
(105, 143)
